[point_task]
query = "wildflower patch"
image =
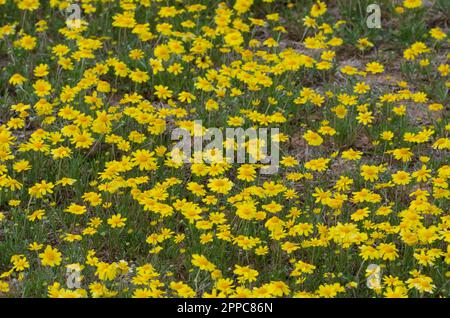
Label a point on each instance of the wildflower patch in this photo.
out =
(244, 148)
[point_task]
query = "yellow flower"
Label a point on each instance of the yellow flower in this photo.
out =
(139, 76)
(412, 4)
(234, 38)
(76, 209)
(42, 88)
(29, 5)
(313, 138)
(401, 178)
(220, 185)
(374, 68)
(41, 70)
(17, 79)
(36, 215)
(437, 33)
(50, 257)
(116, 221)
